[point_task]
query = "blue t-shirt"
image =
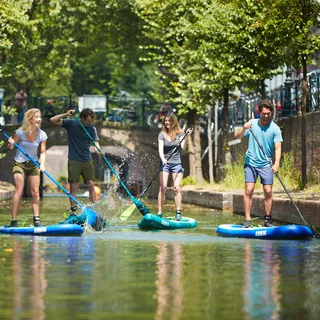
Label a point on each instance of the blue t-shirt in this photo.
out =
(78, 141)
(30, 147)
(267, 137)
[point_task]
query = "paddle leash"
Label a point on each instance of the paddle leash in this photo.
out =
(126, 214)
(140, 206)
(284, 187)
(84, 209)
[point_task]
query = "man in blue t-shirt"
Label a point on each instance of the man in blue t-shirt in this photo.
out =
(257, 161)
(80, 162)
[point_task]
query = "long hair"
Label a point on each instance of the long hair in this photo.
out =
(174, 128)
(26, 125)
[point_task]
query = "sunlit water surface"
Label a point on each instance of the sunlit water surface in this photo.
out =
(125, 273)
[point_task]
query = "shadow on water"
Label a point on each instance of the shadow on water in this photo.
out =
(125, 273)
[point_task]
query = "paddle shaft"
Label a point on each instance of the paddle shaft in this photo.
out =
(104, 158)
(284, 187)
(174, 150)
(45, 172)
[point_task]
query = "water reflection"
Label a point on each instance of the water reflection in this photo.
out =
(30, 265)
(169, 293)
(261, 282)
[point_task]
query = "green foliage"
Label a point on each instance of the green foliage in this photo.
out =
(8, 110)
(62, 179)
(314, 176)
(288, 173)
(290, 176)
(188, 181)
(2, 155)
(233, 177)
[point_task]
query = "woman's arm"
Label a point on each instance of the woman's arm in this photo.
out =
(184, 143)
(42, 158)
(161, 151)
(12, 140)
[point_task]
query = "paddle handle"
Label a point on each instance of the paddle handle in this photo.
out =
(45, 172)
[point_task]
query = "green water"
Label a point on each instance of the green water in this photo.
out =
(125, 273)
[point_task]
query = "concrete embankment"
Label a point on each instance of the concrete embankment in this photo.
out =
(6, 190)
(282, 209)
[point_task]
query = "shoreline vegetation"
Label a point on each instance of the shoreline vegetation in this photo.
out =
(234, 181)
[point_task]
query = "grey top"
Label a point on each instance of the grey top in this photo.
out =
(78, 141)
(169, 148)
(30, 147)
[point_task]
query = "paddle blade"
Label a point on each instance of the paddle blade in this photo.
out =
(127, 213)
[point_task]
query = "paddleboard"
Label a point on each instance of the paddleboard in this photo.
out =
(287, 232)
(153, 222)
(54, 230)
(89, 216)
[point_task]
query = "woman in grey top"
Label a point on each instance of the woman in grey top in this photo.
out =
(170, 140)
(30, 138)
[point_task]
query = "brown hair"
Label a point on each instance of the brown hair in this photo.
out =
(175, 127)
(266, 104)
(85, 113)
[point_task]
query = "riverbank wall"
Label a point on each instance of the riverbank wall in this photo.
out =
(282, 209)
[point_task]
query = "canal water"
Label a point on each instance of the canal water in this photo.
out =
(125, 273)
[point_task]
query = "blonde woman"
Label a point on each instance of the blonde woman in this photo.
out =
(170, 140)
(30, 138)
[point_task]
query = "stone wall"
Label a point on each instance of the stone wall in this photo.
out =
(282, 209)
(291, 131)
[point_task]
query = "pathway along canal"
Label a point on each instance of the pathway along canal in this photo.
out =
(125, 273)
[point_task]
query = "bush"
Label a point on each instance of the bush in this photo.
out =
(188, 181)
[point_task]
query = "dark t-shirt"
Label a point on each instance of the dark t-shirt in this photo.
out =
(78, 141)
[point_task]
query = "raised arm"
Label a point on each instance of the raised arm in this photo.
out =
(184, 143)
(57, 120)
(240, 133)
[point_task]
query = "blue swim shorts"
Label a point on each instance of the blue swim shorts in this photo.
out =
(171, 167)
(251, 174)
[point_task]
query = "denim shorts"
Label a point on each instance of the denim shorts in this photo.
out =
(251, 174)
(171, 167)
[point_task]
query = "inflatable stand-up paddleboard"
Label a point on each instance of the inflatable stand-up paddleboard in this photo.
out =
(72, 226)
(287, 232)
(54, 230)
(153, 222)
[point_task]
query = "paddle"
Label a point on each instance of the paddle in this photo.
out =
(127, 213)
(284, 187)
(140, 206)
(85, 210)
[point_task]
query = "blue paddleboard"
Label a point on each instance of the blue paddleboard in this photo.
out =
(288, 232)
(54, 230)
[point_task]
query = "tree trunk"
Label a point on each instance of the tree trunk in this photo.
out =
(225, 129)
(197, 155)
(210, 153)
(303, 127)
(194, 148)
